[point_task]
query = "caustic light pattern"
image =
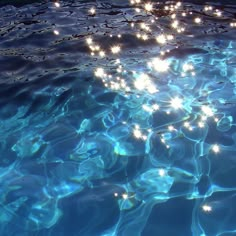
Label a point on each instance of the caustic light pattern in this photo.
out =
(118, 118)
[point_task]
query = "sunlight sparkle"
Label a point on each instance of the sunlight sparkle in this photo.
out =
(176, 103)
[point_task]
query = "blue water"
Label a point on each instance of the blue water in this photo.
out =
(118, 121)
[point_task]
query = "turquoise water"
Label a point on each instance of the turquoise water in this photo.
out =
(117, 118)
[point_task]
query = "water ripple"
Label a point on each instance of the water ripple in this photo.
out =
(117, 118)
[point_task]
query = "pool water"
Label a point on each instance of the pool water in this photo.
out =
(117, 118)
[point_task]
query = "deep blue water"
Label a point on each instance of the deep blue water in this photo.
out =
(118, 122)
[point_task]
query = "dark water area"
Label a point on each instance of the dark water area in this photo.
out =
(117, 118)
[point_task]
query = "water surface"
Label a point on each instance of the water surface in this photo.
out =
(117, 118)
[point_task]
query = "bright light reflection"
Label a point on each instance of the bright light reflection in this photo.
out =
(197, 20)
(161, 172)
(159, 65)
(148, 6)
(216, 148)
(57, 4)
(176, 103)
(207, 110)
(137, 133)
(206, 208)
(92, 11)
(115, 49)
(56, 32)
(143, 82)
(99, 72)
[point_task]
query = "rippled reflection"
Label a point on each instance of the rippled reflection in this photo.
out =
(117, 118)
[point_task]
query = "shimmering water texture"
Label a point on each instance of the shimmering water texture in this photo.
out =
(118, 119)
